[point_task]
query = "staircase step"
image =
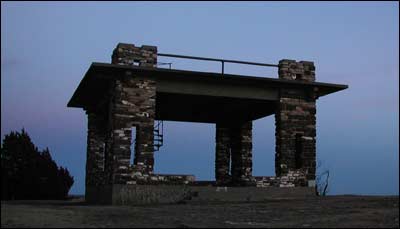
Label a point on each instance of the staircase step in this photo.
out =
(158, 136)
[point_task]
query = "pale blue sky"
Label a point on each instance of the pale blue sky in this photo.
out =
(46, 49)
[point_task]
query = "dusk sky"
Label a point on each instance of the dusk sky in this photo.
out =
(46, 48)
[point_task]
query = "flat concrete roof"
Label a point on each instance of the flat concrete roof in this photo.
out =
(196, 96)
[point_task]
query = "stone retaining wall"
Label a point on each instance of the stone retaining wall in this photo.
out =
(168, 179)
(293, 178)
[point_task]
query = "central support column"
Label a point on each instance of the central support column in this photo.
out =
(234, 151)
(241, 145)
(222, 155)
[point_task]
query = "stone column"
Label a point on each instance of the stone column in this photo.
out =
(241, 148)
(295, 121)
(222, 155)
(95, 159)
(133, 104)
(234, 149)
(129, 54)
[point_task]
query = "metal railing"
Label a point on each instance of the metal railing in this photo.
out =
(162, 63)
(223, 61)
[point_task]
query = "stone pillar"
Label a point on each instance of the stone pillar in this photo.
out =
(129, 54)
(295, 121)
(222, 155)
(133, 104)
(95, 159)
(233, 149)
(241, 149)
(300, 71)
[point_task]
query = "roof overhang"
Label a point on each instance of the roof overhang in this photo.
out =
(196, 96)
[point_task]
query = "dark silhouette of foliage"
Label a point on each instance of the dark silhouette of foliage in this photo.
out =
(27, 173)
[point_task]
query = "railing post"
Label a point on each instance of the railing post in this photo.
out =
(223, 63)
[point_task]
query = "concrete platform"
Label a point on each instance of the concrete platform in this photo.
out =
(169, 194)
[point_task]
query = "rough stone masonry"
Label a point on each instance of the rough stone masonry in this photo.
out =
(131, 102)
(295, 126)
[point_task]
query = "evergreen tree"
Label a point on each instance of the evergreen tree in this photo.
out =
(27, 173)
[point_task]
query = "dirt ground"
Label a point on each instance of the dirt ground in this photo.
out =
(331, 211)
